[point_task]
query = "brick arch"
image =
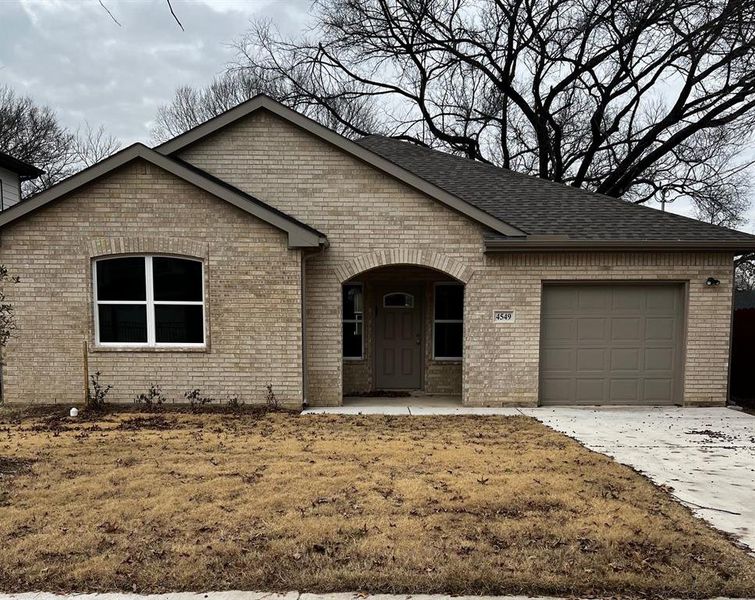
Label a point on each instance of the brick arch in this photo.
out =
(145, 245)
(424, 258)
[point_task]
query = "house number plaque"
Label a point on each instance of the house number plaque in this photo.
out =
(503, 316)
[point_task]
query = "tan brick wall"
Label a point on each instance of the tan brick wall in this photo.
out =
(372, 220)
(501, 361)
(361, 210)
(252, 283)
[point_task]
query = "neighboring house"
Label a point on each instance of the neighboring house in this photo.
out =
(262, 248)
(743, 348)
(12, 173)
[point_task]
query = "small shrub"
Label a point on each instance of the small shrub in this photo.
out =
(234, 403)
(97, 392)
(196, 399)
(270, 399)
(153, 398)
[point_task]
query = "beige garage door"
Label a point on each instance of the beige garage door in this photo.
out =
(611, 344)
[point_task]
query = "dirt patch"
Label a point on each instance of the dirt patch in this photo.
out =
(158, 422)
(13, 466)
(713, 436)
(458, 505)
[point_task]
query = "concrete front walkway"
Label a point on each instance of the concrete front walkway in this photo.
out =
(705, 455)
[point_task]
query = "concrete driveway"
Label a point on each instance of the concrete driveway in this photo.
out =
(707, 455)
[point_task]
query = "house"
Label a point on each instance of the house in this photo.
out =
(261, 248)
(12, 173)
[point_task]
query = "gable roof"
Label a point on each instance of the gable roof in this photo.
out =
(262, 102)
(554, 215)
(299, 234)
(21, 168)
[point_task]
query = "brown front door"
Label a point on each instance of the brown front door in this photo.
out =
(398, 338)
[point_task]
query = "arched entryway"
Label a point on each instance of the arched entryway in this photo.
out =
(403, 333)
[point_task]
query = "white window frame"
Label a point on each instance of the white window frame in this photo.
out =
(150, 303)
(436, 285)
(353, 321)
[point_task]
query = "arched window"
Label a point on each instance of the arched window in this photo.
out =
(398, 300)
(150, 301)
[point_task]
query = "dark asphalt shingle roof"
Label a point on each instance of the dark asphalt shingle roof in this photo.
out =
(540, 207)
(19, 167)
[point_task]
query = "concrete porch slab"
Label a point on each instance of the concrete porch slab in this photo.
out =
(411, 405)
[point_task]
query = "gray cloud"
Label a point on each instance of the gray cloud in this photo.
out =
(72, 56)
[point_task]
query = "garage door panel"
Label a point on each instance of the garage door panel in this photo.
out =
(659, 359)
(553, 389)
(657, 390)
(561, 300)
(624, 359)
(590, 390)
(624, 391)
(590, 359)
(661, 328)
(611, 344)
(662, 299)
(559, 359)
(630, 300)
(626, 329)
(560, 328)
(592, 299)
(591, 329)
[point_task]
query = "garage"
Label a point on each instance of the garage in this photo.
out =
(611, 344)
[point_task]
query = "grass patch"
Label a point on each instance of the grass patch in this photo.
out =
(479, 505)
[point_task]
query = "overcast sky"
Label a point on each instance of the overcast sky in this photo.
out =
(72, 56)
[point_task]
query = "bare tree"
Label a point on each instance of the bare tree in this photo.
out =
(744, 276)
(639, 99)
(33, 134)
(91, 145)
(191, 106)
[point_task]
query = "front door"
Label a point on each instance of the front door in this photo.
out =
(398, 338)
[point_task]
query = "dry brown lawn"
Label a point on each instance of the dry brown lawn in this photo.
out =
(151, 503)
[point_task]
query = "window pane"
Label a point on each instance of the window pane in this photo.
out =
(179, 324)
(121, 279)
(177, 279)
(123, 323)
(352, 340)
(352, 301)
(448, 340)
(398, 300)
(449, 302)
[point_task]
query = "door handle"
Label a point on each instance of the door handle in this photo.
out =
(419, 341)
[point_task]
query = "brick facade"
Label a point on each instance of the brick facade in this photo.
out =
(254, 281)
(252, 293)
(372, 220)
